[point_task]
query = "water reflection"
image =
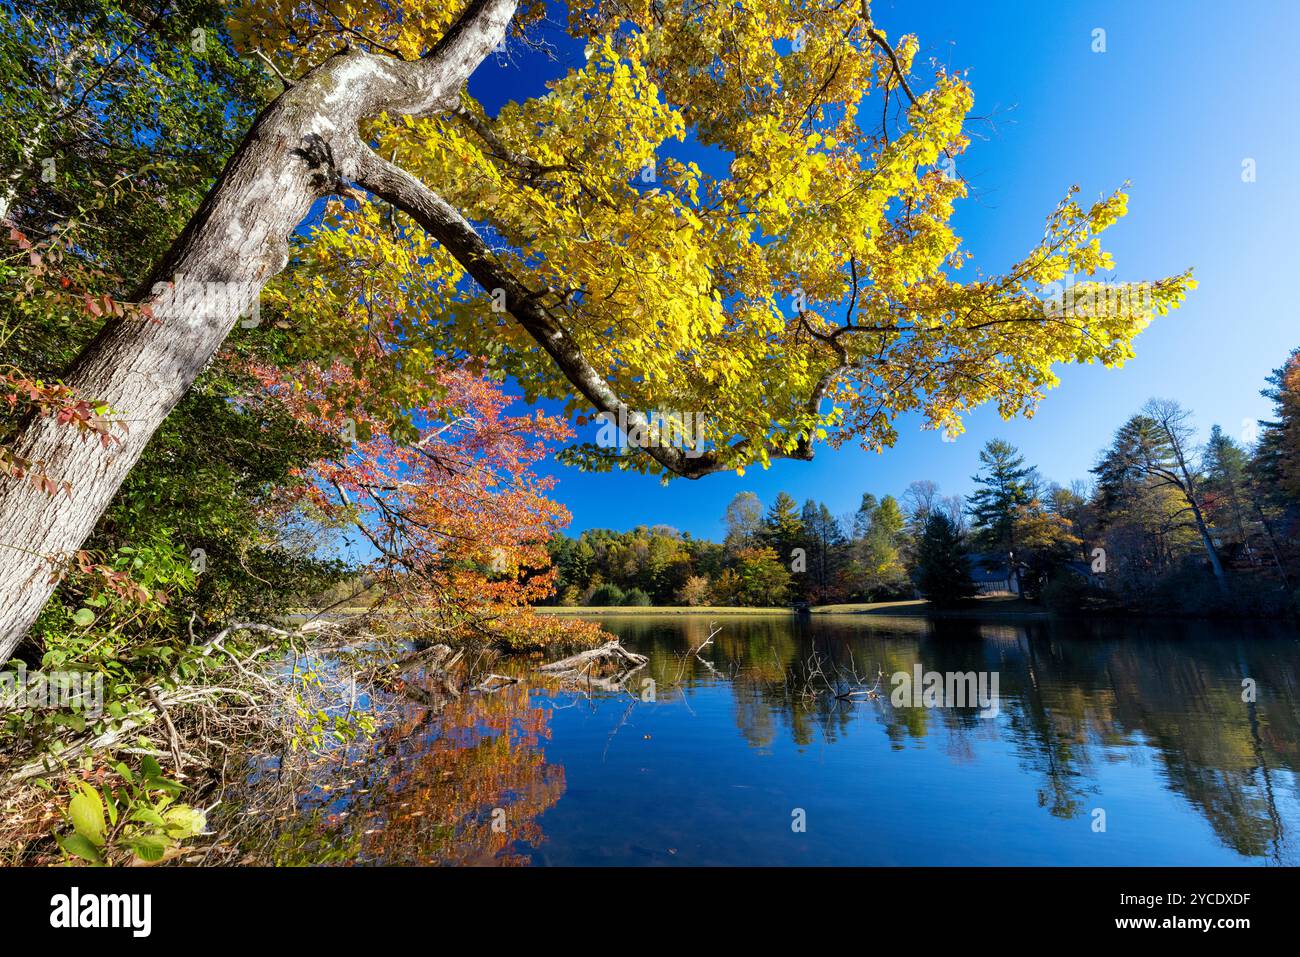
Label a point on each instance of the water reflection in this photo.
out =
(1073, 694)
(1144, 721)
(454, 780)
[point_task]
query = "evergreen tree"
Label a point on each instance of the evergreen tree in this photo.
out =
(943, 572)
(824, 540)
(1005, 483)
(862, 517)
(1227, 490)
(1277, 456)
(783, 528)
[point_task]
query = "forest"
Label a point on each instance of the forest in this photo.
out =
(1164, 524)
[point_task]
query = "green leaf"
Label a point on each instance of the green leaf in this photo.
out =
(149, 847)
(111, 805)
(84, 618)
(147, 815)
(86, 811)
(78, 846)
(184, 821)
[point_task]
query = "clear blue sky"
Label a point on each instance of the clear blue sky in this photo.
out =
(1183, 94)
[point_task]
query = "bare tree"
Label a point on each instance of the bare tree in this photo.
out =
(1171, 463)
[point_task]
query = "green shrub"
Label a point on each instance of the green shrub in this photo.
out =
(636, 598)
(607, 595)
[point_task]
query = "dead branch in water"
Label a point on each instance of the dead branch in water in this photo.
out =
(843, 684)
(584, 668)
(714, 630)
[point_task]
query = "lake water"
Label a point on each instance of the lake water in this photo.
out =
(1108, 743)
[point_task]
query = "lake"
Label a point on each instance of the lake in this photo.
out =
(788, 741)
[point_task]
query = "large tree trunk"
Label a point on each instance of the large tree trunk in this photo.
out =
(302, 147)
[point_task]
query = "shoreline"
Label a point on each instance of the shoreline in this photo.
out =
(1009, 608)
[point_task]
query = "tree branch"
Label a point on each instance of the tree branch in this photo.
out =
(444, 223)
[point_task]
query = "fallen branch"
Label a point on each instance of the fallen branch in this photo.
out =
(610, 651)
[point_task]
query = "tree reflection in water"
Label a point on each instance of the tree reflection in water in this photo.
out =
(459, 780)
(1089, 712)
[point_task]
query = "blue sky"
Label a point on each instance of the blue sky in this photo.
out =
(1182, 95)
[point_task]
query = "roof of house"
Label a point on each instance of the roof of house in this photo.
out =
(988, 567)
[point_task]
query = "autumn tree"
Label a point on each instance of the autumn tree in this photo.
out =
(457, 521)
(1173, 461)
(1045, 540)
(807, 291)
(878, 553)
(1140, 499)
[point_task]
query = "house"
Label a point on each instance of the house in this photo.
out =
(1084, 571)
(990, 573)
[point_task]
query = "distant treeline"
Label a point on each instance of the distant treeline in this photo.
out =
(1162, 524)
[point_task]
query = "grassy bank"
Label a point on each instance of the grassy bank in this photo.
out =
(582, 611)
(992, 607)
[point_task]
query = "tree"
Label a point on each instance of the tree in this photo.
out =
(1044, 542)
(636, 598)
(1227, 489)
(1006, 483)
(920, 499)
(943, 572)
(458, 521)
(1171, 462)
(862, 517)
(783, 529)
(880, 551)
(744, 520)
(1275, 466)
(375, 111)
(825, 542)
(607, 596)
(1277, 456)
(695, 592)
(761, 578)
(1150, 456)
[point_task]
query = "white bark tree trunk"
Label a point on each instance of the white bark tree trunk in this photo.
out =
(303, 146)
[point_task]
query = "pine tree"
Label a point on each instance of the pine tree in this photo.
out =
(1227, 490)
(1005, 483)
(1277, 456)
(783, 528)
(825, 541)
(943, 572)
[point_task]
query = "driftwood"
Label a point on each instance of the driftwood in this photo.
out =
(611, 651)
(584, 667)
